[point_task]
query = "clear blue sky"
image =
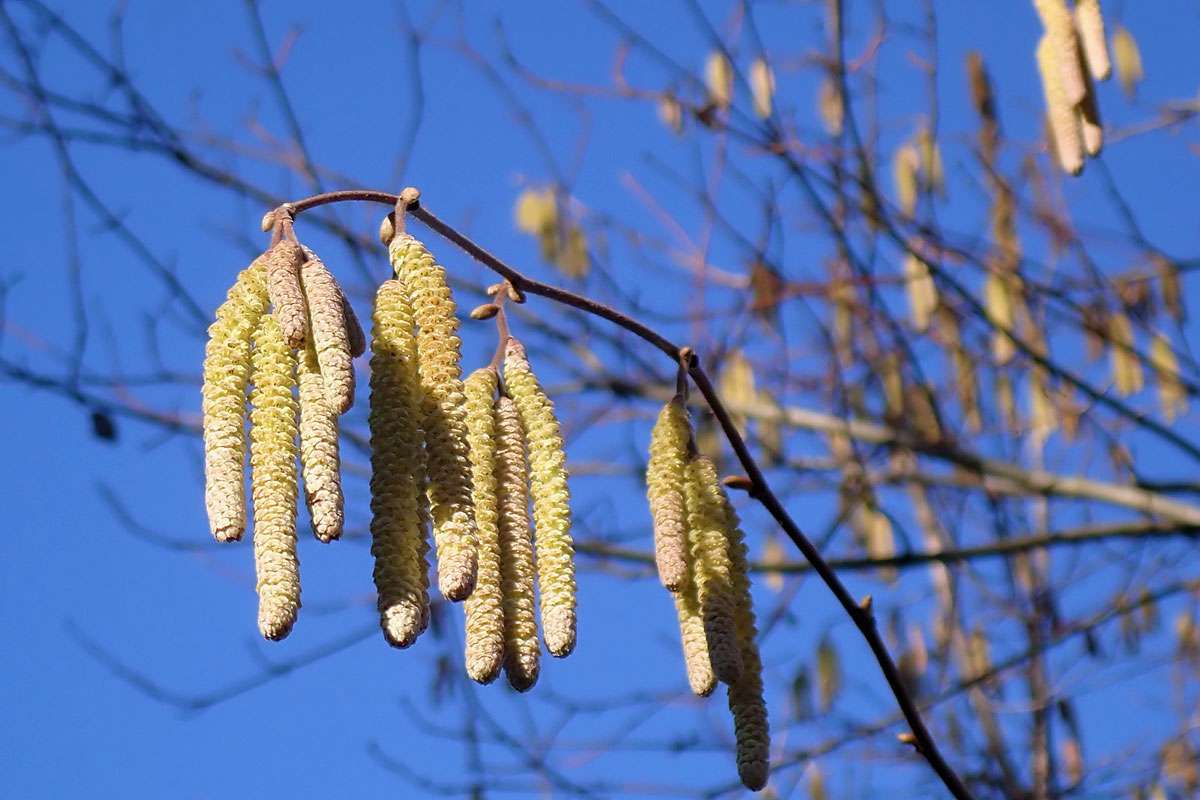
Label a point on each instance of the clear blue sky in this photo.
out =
(187, 617)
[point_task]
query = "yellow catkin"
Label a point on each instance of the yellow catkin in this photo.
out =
(484, 608)
(355, 337)
(718, 75)
(922, 292)
(516, 549)
(1062, 49)
(443, 414)
(694, 640)
(398, 535)
(273, 479)
(551, 501)
(1060, 110)
(1089, 23)
(665, 473)
(1171, 394)
(762, 86)
(226, 374)
(712, 570)
(287, 297)
(1127, 370)
(1089, 120)
(327, 321)
(319, 454)
(746, 702)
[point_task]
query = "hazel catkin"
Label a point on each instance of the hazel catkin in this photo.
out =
(319, 454)
(443, 414)
(327, 325)
(516, 549)
(551, 501)
(356, 338)
(398, 537)
(711, 569)
(287, 296)
(1060, 110)
(484, 608)
(227, 364)
(665, 473)
(1089, 23)
(273, 478)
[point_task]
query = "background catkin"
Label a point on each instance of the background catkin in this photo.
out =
(746, 703)
(1064, 121)
(319, 454)
(516, 549)
(327, 323)
(711, 569)
(1062, 48)
(665, 473)
(398, 537)
(551, 501)
(1089, 22)
(484, 608)
(443, 414)
(273, 478)
(283, 285)
(226, 375)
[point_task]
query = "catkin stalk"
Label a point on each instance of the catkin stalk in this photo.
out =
(443, 414)
(227, 360)
(1089, 23)
(712, 570)
(516, 549)
(398, 537)
(327, 322)
(551, 501)
(287, 297)
(665, 473)
(273, 478)
(484, 608)
(319, 454)
(1060, 109)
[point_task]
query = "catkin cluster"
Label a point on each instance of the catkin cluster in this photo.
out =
(701, 557)
(287, 333)
(516, 451)
(1070, 55)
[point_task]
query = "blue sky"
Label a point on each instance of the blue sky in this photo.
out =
(186, 617)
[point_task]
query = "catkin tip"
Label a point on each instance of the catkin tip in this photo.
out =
(558, 629)
(402, 624)
(276, 626)
(456, 575)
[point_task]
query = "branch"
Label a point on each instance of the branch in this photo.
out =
(759, 489)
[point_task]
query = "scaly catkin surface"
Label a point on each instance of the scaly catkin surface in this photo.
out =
(273, 478)
(398, 537)
(746, 702)
(226, 374)
(283, 285)
(443, 414)
(516, 549)
(327, 325)
(711, 570)
(665, 472)
(551, 501)
(484, 608)
(319, 453)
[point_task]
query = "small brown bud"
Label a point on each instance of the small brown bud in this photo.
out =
(740, 482)
(907, 738)
(387, 229)
(268, 221)
(485, 311)
(514, 294)
(495, 289)
(867, 604)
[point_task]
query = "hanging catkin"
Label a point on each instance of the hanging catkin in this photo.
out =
(319, 455)
(711, 569)
(1062, 50)
(551, 509)
(398, 537)
(516, 549)
(1060, 109)
(1089, 23)
(226, 375)
(273, 478)
(746, 701)
(665, 473)
(355, 337)
(694, 640)
(443, 414)
(283, 285)
(327, 322)
(484, 608)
